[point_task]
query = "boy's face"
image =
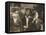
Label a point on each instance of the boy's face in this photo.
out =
(15, 14)
(27, 12)
(23, 11)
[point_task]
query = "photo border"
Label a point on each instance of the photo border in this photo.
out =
(7, 16)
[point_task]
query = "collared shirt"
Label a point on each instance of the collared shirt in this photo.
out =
(27, 20)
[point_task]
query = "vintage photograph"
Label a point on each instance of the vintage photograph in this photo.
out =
(25, 17)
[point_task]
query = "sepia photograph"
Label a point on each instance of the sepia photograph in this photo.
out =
(26, 17)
